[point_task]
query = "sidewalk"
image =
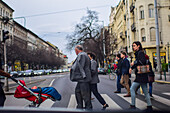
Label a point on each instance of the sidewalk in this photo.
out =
(163, 81)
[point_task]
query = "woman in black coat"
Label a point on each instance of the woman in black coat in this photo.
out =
(141, 79)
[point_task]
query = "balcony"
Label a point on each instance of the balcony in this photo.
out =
(121, 36)
(132, 7)
(133, 27)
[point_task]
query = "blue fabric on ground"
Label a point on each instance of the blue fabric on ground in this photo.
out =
(50, 91)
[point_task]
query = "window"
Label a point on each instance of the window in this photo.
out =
(143, 35)
(151, 11)
(141, 8)
(152, 34)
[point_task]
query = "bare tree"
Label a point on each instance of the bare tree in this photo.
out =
(87, 33)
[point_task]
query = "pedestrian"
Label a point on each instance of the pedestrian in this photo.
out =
(2, 94)
(151, 76)
(141, 79)
(95, 80)
(119, 73)
(125, 65)
(81, 73)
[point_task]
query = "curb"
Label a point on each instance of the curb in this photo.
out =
(162, 82)
(12, 92)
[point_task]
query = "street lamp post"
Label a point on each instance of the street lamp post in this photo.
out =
(157, 40)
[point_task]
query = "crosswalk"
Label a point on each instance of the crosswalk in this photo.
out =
(140, 104)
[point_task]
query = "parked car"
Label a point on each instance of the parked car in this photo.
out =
(48, 71)
(14, 74)
(20, 73)
(35, 72)
(41, 72)
(102, 71)
(59, 71)
(54, 71)
(29, 73)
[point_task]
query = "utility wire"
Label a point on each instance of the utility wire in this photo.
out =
(64, 11)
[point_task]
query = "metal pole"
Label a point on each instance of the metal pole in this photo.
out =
(168, 58)
(157, 40)
(6, 86)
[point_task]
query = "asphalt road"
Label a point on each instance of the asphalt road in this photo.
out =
(106, 87)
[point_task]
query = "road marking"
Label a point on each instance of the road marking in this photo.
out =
(47, 104)
(139, 103)
(166, 94)
(161, 99)
(110, 102)
(72, 102)
(51, 83)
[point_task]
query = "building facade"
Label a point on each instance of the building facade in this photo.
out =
(139, 16)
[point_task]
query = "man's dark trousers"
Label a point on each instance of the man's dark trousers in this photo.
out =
(83, 93)
(119, 86)
(93, 88)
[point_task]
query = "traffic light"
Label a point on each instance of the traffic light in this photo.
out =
(5, 35)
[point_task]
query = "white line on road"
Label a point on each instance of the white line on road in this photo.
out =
(139, 103)
(51, 83)
(47, 104)
(161, 99)
(72, 102)
(111, 103)
(166, 94)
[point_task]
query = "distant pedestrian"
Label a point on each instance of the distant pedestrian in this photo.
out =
(141, 79)
(119, 73)
(125, 65)
(95, 80)
(81, 73)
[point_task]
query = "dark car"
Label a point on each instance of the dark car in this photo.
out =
(102, 71)
(20, 73)
(14, 74)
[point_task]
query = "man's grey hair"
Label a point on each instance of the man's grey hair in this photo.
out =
(79, 47)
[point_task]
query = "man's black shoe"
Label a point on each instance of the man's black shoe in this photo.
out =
(117, 92)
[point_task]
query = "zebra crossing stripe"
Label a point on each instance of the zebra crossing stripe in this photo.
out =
(166, 94)
(47, 104)
(110, 102)
(72, 102)
(161, 99)
(139, 103)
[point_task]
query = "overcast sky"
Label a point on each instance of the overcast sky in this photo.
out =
(65, 14)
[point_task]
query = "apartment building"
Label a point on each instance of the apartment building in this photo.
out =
(140, 26)
(118, 29)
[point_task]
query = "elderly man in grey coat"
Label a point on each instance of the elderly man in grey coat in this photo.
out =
(81, 73)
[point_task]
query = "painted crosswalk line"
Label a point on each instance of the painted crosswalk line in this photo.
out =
(72, 102)
(47, 104)
(161, 99)
(167, 93)
(109, 101)
(139, 103)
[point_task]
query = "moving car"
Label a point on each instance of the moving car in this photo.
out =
(29, 73)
